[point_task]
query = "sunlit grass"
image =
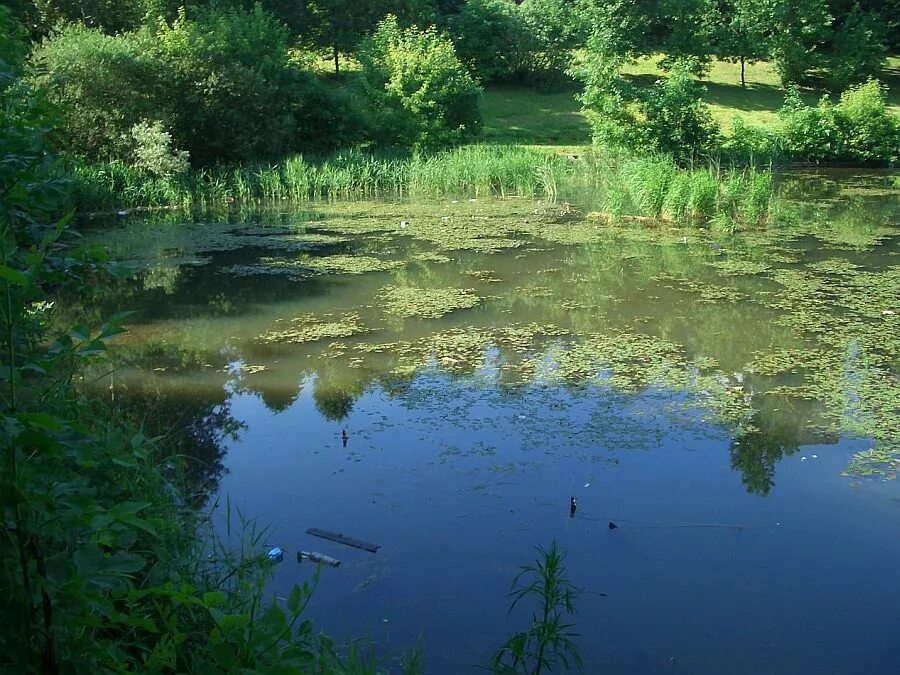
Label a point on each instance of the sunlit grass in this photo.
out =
(524, 116)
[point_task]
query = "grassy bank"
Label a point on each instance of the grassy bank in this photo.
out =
(650, 187)
(522, 115)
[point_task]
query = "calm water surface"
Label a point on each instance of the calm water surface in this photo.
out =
(709, 393)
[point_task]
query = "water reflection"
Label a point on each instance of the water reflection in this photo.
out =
(659, 377)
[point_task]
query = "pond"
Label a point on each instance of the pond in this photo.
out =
(440, 378)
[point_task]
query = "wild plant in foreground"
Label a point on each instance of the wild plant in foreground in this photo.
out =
(548, 641)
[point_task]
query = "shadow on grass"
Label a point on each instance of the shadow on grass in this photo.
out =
(518, 115)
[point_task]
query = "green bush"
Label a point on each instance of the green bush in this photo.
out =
(752, 145)
(859, 128)
(676, 119)
(232, 90)
(103, 86)
(491, 39)
(669, 117)
(221, 82)
(12, 42)
(153, 150)
(531, 42)
(420, 93)
(870, 132)
(857, 52)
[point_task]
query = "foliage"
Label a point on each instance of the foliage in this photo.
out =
(231, 87)
(504, 41)
(103, 86)
(220, 82)
(857, 52)
(491, 39)
(548, 641)
(555, 28)
(12, 41)
(859, 128)
(153, 150)
(669, 116)
(340, 26)
(797, 29)
(676, 119)
(748, 144)
(111, 16)
(420, 93)
(675, 28)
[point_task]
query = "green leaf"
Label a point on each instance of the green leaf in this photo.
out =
(12, 276)
(41, 421)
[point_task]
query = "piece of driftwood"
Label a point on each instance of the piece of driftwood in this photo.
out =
(341, 539)
(312, 556)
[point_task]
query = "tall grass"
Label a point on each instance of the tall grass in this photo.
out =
(656, 188)
(650, 187)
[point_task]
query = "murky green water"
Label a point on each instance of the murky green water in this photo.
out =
(731, 401)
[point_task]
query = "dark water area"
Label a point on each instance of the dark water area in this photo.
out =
(440, 378)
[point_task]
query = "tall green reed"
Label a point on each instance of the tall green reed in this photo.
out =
(652, 187)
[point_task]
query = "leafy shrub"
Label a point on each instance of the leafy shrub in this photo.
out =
(153, 150)
(870, 132)
(747, 144)
(676, 119)
(857, 52)
(103, 86)
(531, 42)
(669, 117)
(859, 128)
(231, 89)
(554, 30)
(221, 82)
(420, 93)
(12, 42)
(491, 38)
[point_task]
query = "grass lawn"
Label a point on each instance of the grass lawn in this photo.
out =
(523, 116)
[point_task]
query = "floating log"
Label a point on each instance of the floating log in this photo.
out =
(317, 558)
(341, 539)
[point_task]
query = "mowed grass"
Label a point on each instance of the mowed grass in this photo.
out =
(518, 115)
(522, 116)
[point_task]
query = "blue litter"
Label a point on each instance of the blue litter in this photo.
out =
(276, 555)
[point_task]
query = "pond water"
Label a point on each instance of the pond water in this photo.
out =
(440, 378)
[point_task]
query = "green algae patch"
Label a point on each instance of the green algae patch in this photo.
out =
(350, 264)
(309, 266)
(312, 328)
(737, 267)
(425, 303)
(431, 257)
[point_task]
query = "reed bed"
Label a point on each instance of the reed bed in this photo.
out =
(616, 185)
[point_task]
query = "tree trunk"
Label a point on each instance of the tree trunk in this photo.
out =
(337, 63)
(743, 81)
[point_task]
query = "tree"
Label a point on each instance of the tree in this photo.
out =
(491, 38)
(669, 116)
(340, 26)
(420, 93)
(797, 29)
(740, 33)
(103, 86)
(857, 50)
